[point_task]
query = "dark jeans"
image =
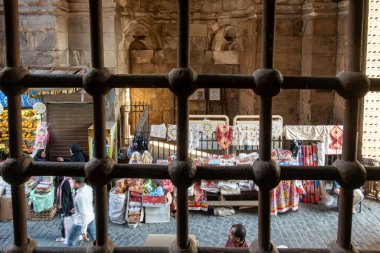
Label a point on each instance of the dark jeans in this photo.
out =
(76, 231)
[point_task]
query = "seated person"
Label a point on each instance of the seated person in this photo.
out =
(236, 237)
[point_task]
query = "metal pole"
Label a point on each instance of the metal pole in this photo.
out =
(97, 60)
(355, 33)
(14, 120)
(183, 122)
(265, 137)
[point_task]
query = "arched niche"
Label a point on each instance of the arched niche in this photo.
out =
(227, 38)
(137, 34)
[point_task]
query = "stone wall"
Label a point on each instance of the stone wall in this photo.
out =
(43, 33)
(225, 37)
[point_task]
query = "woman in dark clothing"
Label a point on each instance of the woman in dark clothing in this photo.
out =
(77, 155)
(65, 203)
(40, 156)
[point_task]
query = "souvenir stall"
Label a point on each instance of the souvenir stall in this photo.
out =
(225, 145)
(137, 200)
(315, 144)
(111, 140)
(40, 199)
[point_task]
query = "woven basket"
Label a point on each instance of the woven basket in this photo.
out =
(45, 215)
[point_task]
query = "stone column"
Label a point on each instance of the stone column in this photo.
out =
(341, 56)
(319, 48)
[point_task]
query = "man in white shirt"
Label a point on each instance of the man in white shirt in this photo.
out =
(84, 216)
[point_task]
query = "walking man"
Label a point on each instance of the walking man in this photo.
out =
(84, 216)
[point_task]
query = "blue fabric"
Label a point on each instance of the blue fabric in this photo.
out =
(27, 101)
(76, 231)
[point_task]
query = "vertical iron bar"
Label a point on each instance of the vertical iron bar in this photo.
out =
(265, 155)
(267, 41)
(14, 121)
(183, 61)
(265, 136)
(96, 30)
(97, 60)
(355, 34)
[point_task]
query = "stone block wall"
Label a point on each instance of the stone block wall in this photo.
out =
(43, 33)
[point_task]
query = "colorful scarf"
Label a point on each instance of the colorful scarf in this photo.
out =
(224, 136)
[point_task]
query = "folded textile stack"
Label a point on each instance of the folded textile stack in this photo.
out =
(247, 185)
(230, 187)
(44, 188)
(210, 185)
(134, 207)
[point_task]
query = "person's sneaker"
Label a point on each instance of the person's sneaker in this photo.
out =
(60, 239)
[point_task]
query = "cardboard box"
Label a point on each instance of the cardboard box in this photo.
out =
(154, 201)
(157, 214)
(6, 208)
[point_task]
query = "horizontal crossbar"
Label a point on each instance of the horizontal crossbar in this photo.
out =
(202, 81)
(243, 172)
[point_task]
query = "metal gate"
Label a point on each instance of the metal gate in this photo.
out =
(266, 82)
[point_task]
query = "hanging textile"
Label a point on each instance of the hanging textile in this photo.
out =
(286, 196)
(158, 131)
(246, 134)
(207, 127)
(27, 101)
(309, 133)
(172, 132)
(194, 137)
(224, 136)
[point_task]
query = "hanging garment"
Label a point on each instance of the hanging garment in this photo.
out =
(207, 128)
(246, 134)
(310, 133)
(194, 136)
(172, 132)
(158, 131)
(224, 136)
(334, 140)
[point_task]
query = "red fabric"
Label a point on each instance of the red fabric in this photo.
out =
(224, 136)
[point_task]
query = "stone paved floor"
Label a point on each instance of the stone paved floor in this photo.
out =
(312, 226)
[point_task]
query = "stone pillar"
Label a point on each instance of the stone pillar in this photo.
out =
(43, 33)
(341, 57)
(287, 57)
(319, 47)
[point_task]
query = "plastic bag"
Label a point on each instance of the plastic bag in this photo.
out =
(149, 186)
(117, 205)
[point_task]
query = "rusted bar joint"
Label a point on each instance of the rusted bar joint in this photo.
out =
(10, 78)
(352, 174)
(353, 85)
